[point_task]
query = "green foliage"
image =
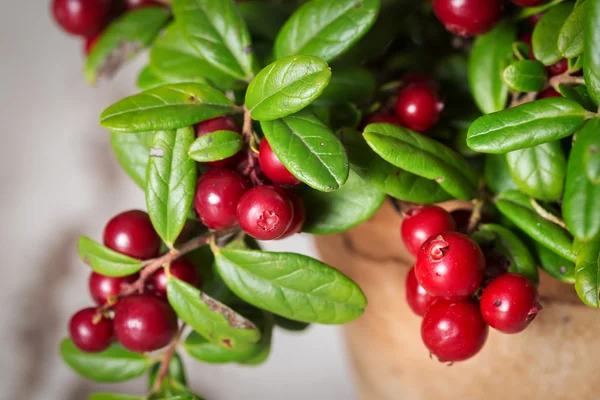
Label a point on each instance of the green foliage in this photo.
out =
(570, 37)
(546, 34)
(587, 274)
(215, 146)
(591, 45)
(349, 84)
(106, 261)
(556, 266)
(526, 76)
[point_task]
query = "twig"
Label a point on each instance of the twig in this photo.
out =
(247, 127)
(251, 151)
(526, 98)
(542, 212)
(555, 81)
(475, 215)
(163, 371)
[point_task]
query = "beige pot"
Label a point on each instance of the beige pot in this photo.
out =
(555, 358)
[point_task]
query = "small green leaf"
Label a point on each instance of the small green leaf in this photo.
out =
(338, 211)
(147, 79)
(113, 365)
(587, 274)
(497, 175)
(570, 37)
(132, 152)
(123, 39)
(254, 13)
(165, 107)
(546, 34)
(113, 396)
(216, 146)
(349, 85)
(423, 156)
(526, 125)
(286, 86)
(204, 350)
(491, 54)
(591, 45)
(210, 318)
(309, 150)
(539, 171)
(556, 266)
(176, 371)
(290, 324)
(578, 94)
(326, 28)
(526, 76)
(171, 181)
(106, 261)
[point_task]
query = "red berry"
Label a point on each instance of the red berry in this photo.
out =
(450, 265)
(509, 303)
(272, 167)
(265, 212)
(548, 93)
(90, 43)
(225, 123)
(131, 233)
(453, 331)
(418, 107)
(529, 3)
(217, 195)
(90, 333)
(101, 287)
(181, 269)
(144, 323)
(559, 67)
(416, 297)
(82, 17)
(422, 222)
(468, 17)
(134, 4)
(299, 214)
(534, 19)
(381, 118)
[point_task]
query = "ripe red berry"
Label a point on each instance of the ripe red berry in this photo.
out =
(90, 43)
(224, 123)
(559, 67)
(82, 17)
(548, 93)
(217, 195)
(265, 212)
(529, 3)
(453, 331)
(509, 303)
(381, 118)
(272, 167)
(418, 107)
(416, 297)
(181, 269)
(101, 287)
(131, 233)
(90, 333)
(134, 4)
(422, 222)
(450, 265)
(299, 214)
(468, 17)
(144, 323)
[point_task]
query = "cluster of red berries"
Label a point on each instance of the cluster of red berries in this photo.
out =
(446, 281)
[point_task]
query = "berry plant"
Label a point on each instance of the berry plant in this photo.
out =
(263, 119)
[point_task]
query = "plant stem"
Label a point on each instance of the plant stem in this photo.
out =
(526, 98)
(475, 215)
(542, 212)
(163, 371)
(555, 81)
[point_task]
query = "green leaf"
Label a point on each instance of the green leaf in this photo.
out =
(349, 85)
(581, 202)
(204, 350)
(176, 371)
(132, 152)
(526, 125)
(539, 171)
(210, 318)
(254, 13)
(546, 34)
(526, 76)
(587, 274)
(291, 285)
(497, 175)
(113, 396)
(171, 182)
(170, 106)
(387, 178)
(215, 146)
(218, 32)
(591, 45)
(286, 86)
(123, 39)
(556, 266)
(578, 94)
(326, 28)
(516, 207)
(308, 149)
(290, 324)
(263, 348)
(112, 365)
(106, 261)
(147, 79)
(570, 37)
(338, 211)
(344, 115)
(491, 54)
(423, 156)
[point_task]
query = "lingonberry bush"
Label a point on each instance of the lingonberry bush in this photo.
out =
(262, 119)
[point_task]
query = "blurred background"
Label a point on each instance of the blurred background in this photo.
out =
(59, 180)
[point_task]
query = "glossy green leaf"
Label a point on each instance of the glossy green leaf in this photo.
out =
(497, 175)
(556, 266)
(578, 94)
(591, 45)
(211, 318)
(176, 371)
(526, 76)
(112, 365)
(215, 146)
(290, 324)
(491, 54)
(171, 182)
(423, 156)
(587, 274)
(123, 39)
(291, 285)
(581, 203)
(308, 149)
(132, 152)
(286, 86)
(539, 171)
(349, 84)
(326, 28)
(218, 32)
(570, 37)
(516, 207)
(112, 396)
(263, 347)
(147, 79)
(526, 125)
(254, 13)
(546, 33)
(165, 107)
(106, 261)
(204, 350)
(338, 211)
